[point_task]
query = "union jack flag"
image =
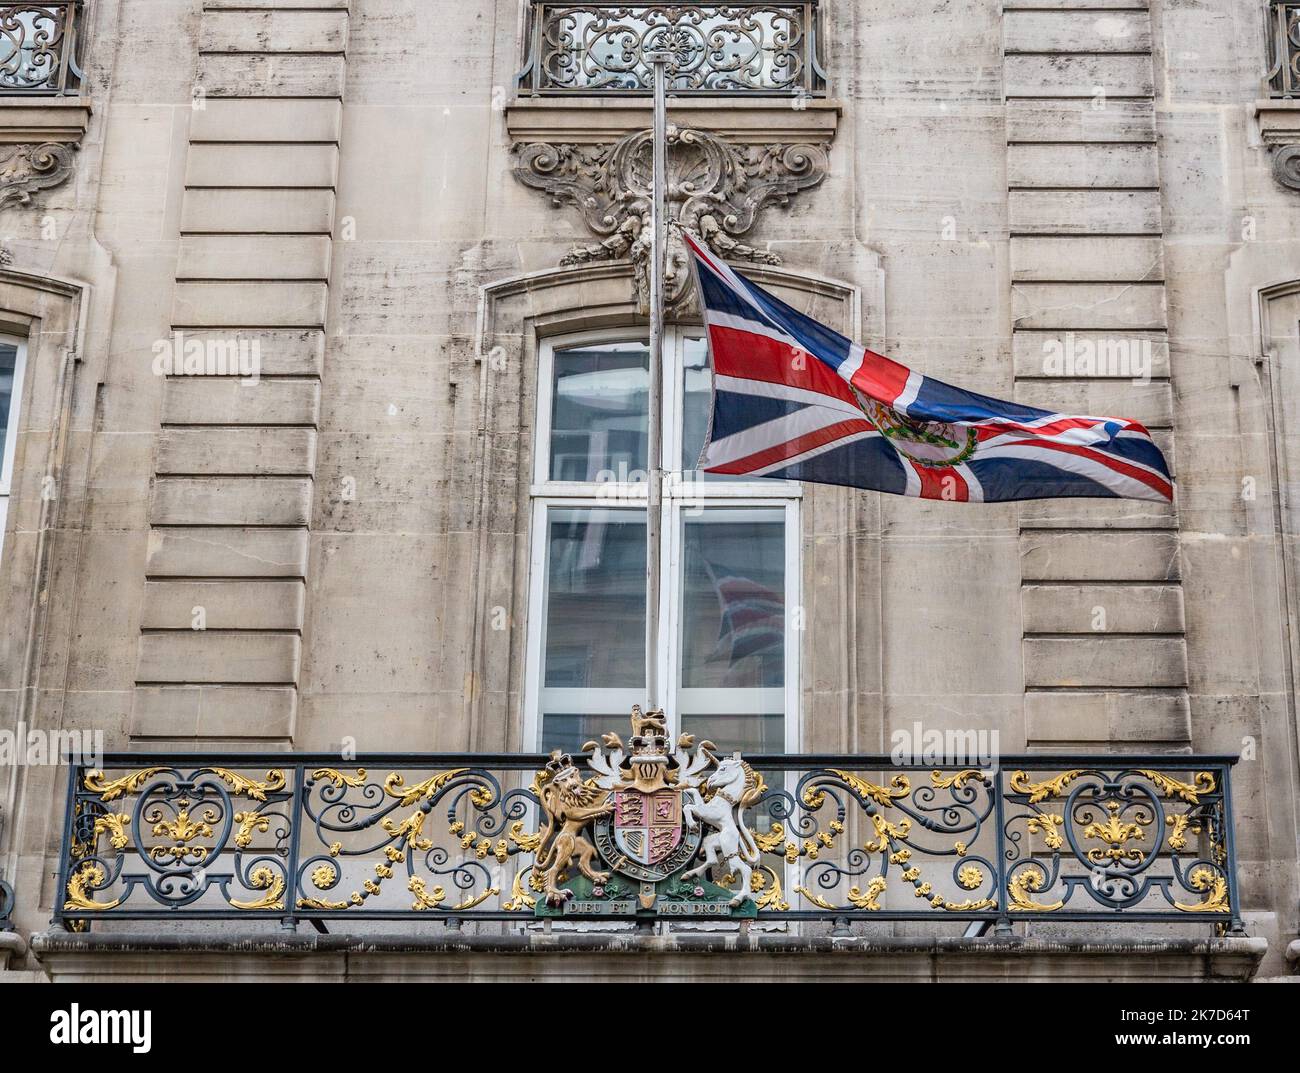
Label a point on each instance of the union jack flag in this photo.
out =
(796, 400)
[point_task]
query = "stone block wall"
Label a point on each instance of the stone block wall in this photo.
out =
(232, 490)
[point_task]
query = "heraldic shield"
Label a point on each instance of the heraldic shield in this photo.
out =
(647, 827)
(622, 843)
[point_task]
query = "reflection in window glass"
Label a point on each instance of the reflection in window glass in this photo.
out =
(8, 370)
(744, 733)
(733, 600)
(568, 732)
(595, 605)
(696, 400)
(598, 416)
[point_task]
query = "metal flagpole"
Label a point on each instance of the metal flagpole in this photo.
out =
(654, 500)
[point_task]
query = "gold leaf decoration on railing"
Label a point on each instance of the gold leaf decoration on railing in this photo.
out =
(1216, 892)
(887, 833)
(89, 877)
(242, 786)
(1115, 832)
(394, 786)
(425, 899)
(899, 786)
(115, 824)
(1022, 884)
(329, 774)
(264, 878)
(867, 899)
(1179, 825)
(767, 885)
(1046, 824)
(321, 903)
(957, 780)
(1187, 791)
(527, 843)
(771, 841)
(184, 829)
(816, 899)
(969, 877)
(111, 790)
(248, 823)
(476, 899)
(520, 899)
(1041, 791)
(409, 831)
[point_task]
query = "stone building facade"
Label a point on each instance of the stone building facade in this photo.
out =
(284, 281)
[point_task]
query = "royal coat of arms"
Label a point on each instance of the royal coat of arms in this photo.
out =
(622, 841)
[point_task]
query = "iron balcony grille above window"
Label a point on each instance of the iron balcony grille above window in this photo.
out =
(39, 47)
(744, 47)
(1283, 19)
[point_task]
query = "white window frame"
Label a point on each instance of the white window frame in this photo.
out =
(9, 448)
(681, 498)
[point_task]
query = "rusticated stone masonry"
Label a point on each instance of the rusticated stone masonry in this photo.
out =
(221, 637)
(1105, 659)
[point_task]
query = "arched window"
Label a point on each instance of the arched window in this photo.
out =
(729, 653)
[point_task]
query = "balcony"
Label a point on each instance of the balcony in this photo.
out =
(279, 840)
(746, 47)
(40, 48)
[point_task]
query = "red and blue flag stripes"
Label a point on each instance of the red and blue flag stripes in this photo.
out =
(795, 400)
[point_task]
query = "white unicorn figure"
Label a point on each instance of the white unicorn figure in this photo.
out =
(735, 787)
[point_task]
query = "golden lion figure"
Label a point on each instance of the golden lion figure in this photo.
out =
(569, 804)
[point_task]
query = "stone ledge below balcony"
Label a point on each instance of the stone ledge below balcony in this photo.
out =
(589, 120)
(626, 956)
(32, 119)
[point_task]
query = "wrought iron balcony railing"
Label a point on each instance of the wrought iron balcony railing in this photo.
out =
(295, 838)
(40, 47)
(1283, 30)
(741, 47)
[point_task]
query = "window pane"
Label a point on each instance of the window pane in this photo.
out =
(8, 367)
(595, 600)
(733, 600)
(696, 400)
(747, 733)
(569, 732)
(598, 416)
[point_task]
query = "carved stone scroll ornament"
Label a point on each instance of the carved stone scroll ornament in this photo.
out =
(26, 168)
(1286, 166)
(715, 190)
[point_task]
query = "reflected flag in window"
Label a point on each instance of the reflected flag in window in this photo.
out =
(753, 616)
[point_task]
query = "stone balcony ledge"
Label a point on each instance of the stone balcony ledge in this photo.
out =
(609, 957)
(591, 120)
(28, 119)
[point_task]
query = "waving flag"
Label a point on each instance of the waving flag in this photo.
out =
(793, 399)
